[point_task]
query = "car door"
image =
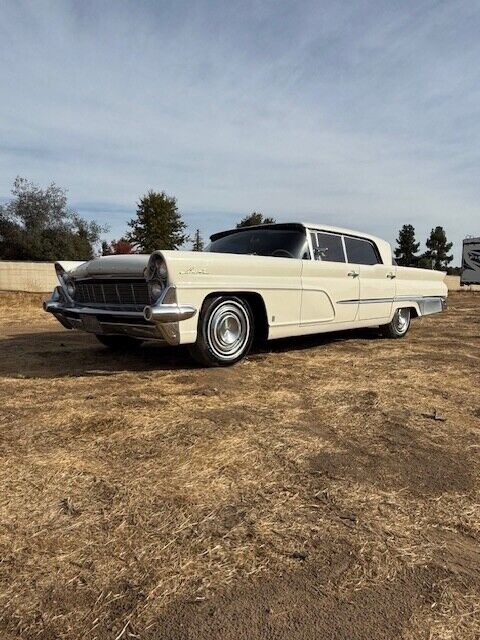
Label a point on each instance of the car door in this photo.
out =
(328, 281)
(377, 280)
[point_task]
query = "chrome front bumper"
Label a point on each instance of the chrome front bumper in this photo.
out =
(157, 322)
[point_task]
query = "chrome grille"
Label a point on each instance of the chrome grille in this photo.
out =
(126, 293)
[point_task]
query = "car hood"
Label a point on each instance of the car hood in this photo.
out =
(121, 265)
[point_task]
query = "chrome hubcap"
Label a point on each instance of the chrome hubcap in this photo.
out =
(228, 330)
(402, 320)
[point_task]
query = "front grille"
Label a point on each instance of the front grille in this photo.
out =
(133, 293)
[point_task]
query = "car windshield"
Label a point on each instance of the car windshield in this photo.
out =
(278, 243)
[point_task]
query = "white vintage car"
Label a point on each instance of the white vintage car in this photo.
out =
(266, 282)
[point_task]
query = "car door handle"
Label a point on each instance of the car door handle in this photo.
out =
(353, 274)
(391, 276)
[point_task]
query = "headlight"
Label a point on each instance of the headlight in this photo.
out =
(70, 287)
(162, 270)
(67, 283)
(156, 290)
(157, 269)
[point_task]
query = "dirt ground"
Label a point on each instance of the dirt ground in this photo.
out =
(325, 488)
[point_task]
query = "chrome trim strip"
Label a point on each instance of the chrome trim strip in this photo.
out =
(344, 248)
(366, 301)
(426, 304)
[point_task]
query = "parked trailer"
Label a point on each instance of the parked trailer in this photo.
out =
(470, 262)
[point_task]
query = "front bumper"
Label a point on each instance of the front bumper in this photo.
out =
(158, 322)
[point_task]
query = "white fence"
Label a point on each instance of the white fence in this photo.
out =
(35, 277)
(453, 284)
(39, 277)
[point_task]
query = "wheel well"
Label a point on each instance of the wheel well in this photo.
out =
(257, 304)
(413, 312)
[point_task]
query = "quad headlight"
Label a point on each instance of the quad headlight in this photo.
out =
(157, 275)
(162, 270)
(157, 268)
(68, 285)
(156, 290)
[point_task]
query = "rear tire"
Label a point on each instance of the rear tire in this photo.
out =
(398, 326)
(225, 332)
(119, 343)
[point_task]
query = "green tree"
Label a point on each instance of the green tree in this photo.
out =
(254, 218)
(406, 251)
(37, 224)
(198, 243)
(106, 249)
(436, 255)
(158, 224)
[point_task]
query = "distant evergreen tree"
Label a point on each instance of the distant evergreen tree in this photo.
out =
(406, 251)
(436, 256)
(198, 244)
(158, 224)
(106, 249)
(254, 218)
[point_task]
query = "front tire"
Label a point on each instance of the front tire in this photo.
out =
(398, 326)
(225, 332)
(119, 343)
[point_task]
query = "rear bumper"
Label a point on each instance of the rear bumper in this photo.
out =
(157, 322)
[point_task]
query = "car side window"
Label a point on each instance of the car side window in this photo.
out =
(327, 247)
(361, 251)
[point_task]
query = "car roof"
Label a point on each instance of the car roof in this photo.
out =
(382, 245)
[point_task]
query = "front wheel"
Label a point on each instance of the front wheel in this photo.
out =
(225, 332)
(119, 343)
(398, 326)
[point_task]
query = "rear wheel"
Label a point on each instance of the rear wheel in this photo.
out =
(119, 343)
(399, 324)
(225, 332)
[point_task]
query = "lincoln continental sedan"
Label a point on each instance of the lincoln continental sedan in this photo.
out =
(262, 282)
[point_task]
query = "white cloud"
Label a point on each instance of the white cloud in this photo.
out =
(364, 114)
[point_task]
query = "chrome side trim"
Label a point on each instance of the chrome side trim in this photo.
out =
(432, 305)
(426, 304)
(366, 301)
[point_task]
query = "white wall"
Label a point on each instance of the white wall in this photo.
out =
(27, 276)
(453, 284)
(40, 277)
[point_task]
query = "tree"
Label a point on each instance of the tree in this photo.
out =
(37, 224)
(405, 253)
(198, 243)
(122, 247)
(436, 255)
(158, 224)
(106, 249)
(254, 218)
(117, 247)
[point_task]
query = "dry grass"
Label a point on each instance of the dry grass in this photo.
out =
(139, 489)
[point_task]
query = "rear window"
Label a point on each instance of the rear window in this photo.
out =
(361, 251)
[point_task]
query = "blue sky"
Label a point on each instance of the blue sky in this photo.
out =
(362, 114)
